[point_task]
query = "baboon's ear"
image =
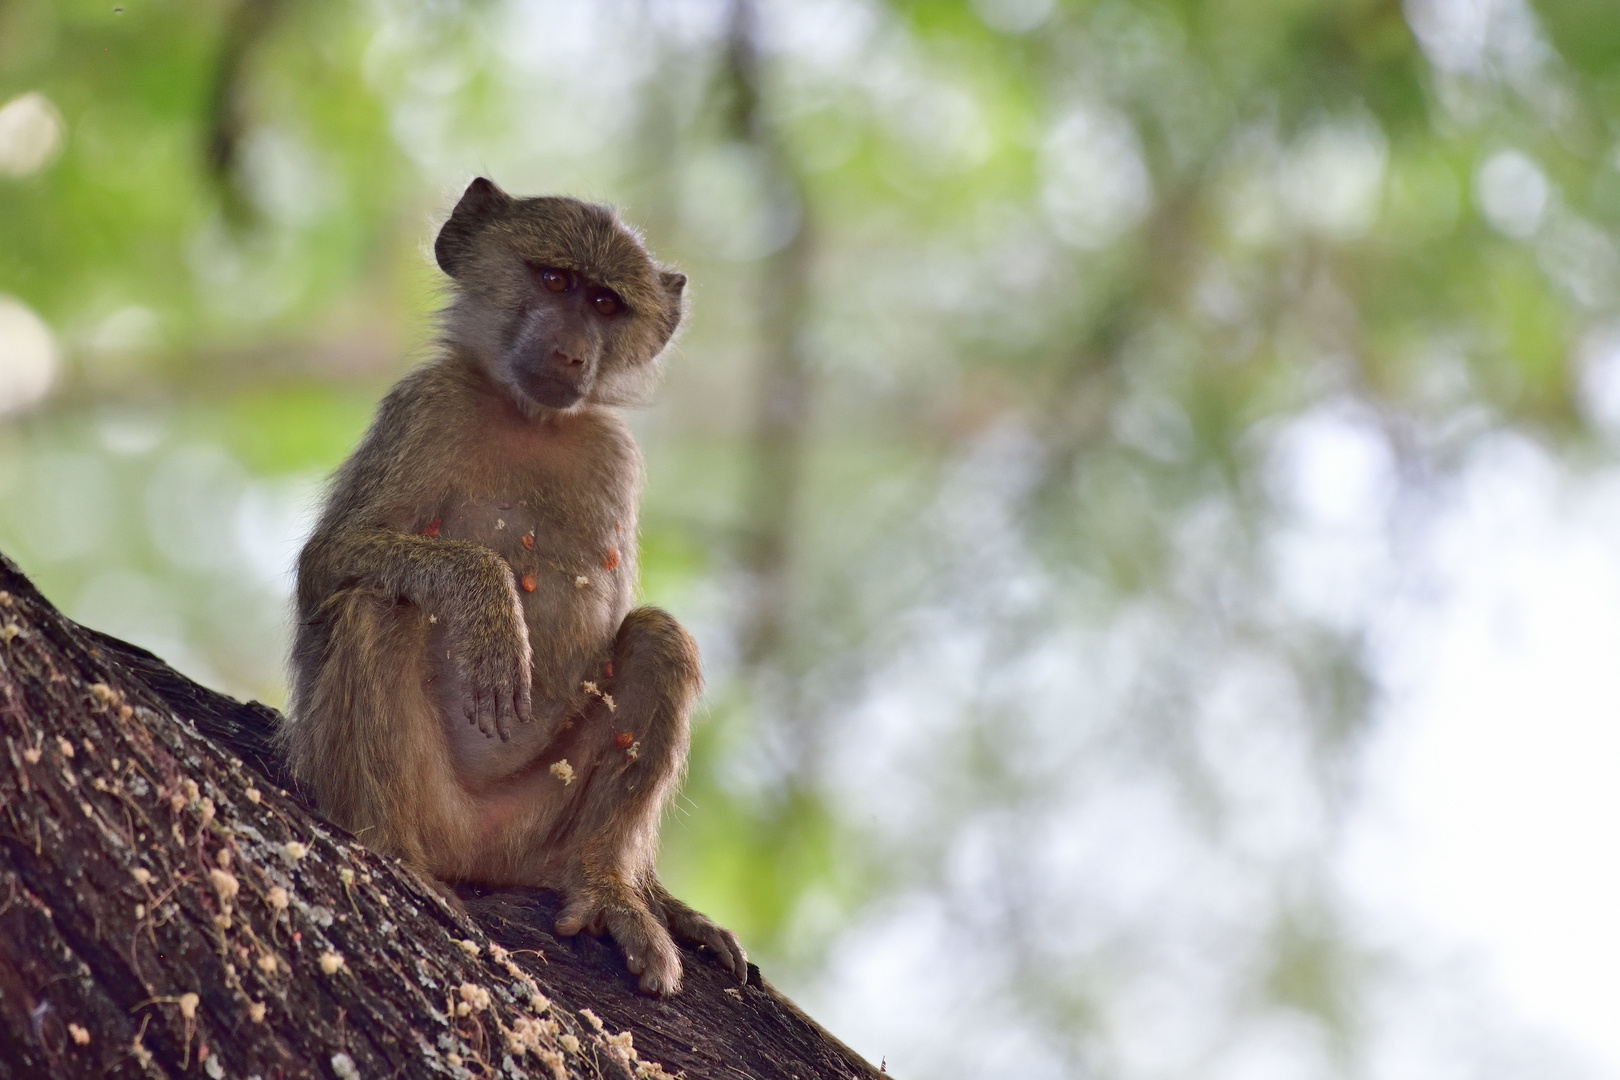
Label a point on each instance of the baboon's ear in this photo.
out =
(673, 282)
(480, 204)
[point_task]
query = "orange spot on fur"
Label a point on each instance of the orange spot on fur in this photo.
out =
(432, 527)
(611, 559)
(623, 739)
(528, 541)
(607, 670)
(528, 583)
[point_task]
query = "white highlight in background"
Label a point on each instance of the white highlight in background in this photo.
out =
(1512, 193)
(30, 134)
(1094, 186)
(28, 356)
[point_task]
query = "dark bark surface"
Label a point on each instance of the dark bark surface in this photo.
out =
(171, 906)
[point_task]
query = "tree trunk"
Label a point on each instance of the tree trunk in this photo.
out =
(170, 904)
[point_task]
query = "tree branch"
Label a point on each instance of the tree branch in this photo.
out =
(169, 903)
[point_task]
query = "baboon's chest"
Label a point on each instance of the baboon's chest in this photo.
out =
(554, 550)
(559, 504)
(574, 564)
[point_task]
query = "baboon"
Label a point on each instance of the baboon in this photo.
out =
(472, 689)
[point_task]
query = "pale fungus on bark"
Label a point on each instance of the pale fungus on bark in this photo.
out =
(188, 1005)
(277, 898)
(622, 1043)
(292, 851)
(469, 946)
(142, 875)
(563, 771)
(80, 1035)
(474, 997)
(331, 962)
(252, 794)
(344, 1067)
(225, 884)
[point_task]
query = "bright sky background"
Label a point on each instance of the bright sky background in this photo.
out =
(1490, 832)
(1482, 853)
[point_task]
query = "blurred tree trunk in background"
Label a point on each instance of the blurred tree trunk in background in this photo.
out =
(167, 901)
(782, 405)
(247, 24)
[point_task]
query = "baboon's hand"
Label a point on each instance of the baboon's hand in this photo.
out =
(493, 663)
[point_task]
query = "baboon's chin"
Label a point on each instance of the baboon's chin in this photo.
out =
(549, 393)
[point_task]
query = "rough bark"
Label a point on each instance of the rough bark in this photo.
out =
(170, 905)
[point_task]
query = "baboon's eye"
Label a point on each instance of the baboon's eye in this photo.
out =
(606, 303)
(554, 279)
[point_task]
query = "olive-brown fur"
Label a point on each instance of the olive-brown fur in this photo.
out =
(473, 690)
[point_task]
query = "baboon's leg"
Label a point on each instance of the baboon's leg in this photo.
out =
(366, 737)
(638, 758)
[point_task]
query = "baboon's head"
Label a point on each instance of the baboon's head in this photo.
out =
(556, 298)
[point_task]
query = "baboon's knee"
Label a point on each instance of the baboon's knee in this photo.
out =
(651, 644)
